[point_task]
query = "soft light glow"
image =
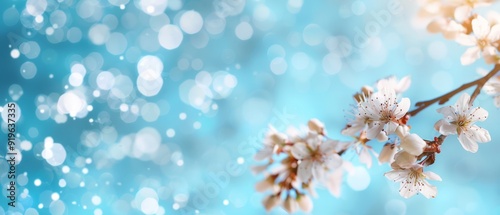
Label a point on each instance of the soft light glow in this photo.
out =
(191, 22)
(170, 37)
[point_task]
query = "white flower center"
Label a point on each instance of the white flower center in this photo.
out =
(482, 43)
(461, 123)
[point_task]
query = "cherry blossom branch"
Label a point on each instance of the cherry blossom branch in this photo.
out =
(479, 83)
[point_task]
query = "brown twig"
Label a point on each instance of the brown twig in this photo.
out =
(479, 83)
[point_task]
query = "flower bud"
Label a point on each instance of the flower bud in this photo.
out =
(305, 203)
(366, 92)
(404, 159)
(290, 205)
(413, 144)
(316, 126)
(402, 131)
(277, 138)
(387, 153)
(265, 184)
(259, 169)
(271, 201)
(382, 136)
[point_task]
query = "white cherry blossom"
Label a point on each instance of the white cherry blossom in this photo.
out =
(272, 140)
(316, 157)
(413, 180)
(483, 41)
(459, 119)
(384, 111)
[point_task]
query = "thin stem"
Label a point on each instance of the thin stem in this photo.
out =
(479, 83)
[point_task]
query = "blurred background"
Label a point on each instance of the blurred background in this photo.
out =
(157, 107)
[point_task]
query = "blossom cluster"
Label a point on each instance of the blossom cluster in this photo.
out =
(299, 160)
(458, 20)
(308, 157)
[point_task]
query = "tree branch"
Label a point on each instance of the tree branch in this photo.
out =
(479, 83)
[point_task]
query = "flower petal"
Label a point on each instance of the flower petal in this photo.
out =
(391, 127)
(318, 170)
(304, 170)
(387, 153)
(413, 144)
(478, 134)
(264, 153)
(470, 55)
(404, 84)
(432, 176)
(340, 146)
(382, 137)
(334, 182)
(478, 114)
(463, 103)
(328, 147)
(480, 27)
(258, 169)
(497, 101)
(446, 111)
(462, 13)
(494, 33)
(402, 107)
(436, 26)
(354, 127)
(404, 159)
(466, 40)
(313, 140)
(365, 157)
(373, 131)
(305, 203)
(396, 175)
(428, 190)
(468, 143)
(489, 51)
(300, 151)
(445, 128)
(407, 190)
(452, 30)
(333, 161)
